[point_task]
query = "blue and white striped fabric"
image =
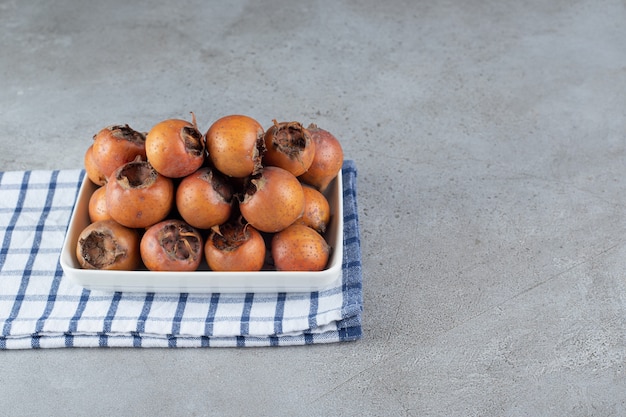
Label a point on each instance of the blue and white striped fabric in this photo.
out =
(39, 308)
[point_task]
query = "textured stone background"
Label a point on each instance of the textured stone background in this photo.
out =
(490, 142)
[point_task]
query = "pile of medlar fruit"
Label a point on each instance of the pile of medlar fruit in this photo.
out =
(239, 196)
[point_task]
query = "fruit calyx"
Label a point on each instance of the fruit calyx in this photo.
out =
(289, 138)
(136, 174)
(179, 241)
(219, 183)
(251, 185)
(257, 153)
(127, 133)
(100, 249)
(192, 138)
(230, 236)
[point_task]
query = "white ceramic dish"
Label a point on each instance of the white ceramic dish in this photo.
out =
(204, 280)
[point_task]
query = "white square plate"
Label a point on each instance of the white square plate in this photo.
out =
(204, 280)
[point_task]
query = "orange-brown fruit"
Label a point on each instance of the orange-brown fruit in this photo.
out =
(138, 196)
(93, 171)
(316, 210)
(289, 146)
(98, 205)
(327, 161)
(171, 245)
(117, 145)
(204, 198)
(235, 145)
(108, 245)
(272, 200)
(235, 246)
(175, 147)
(299, 248)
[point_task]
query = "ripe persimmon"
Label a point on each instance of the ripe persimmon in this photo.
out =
(98, 205)
(204, 198)
(316, 210)
(235, 145)
(272, 200)
(289, 146)
(92, 169)
(235, 246)
(138, 196)
(327, 161)
(108, 245)
(116, 145)
(171, 245)
(175, 147)
(299, 248)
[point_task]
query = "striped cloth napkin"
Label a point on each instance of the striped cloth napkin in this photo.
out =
(40, 308)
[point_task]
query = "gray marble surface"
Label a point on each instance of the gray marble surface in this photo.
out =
(490, 142)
